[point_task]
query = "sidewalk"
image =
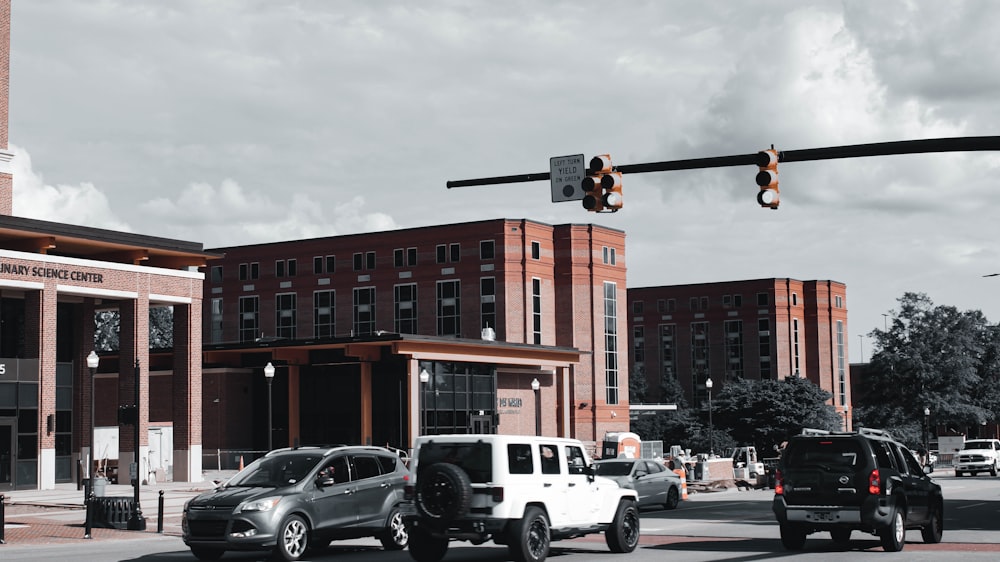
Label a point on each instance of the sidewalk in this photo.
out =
(58, 516)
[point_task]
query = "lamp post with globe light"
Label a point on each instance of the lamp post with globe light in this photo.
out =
(93, 361)
(711, 430)
(269, 375)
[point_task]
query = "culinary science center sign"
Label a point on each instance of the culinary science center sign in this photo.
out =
(48, 272)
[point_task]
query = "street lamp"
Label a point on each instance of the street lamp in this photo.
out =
(425, 378)
(537, 386)
(92, 362)
(269, 375)
(711, 431)
(927, 419)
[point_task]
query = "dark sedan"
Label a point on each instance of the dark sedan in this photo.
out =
(655, 484)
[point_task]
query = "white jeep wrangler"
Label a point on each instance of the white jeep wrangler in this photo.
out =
(519, 491)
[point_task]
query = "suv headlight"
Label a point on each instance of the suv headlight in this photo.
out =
(263, 504)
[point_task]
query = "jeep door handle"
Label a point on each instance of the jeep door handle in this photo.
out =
(571, 484)
(547, 484)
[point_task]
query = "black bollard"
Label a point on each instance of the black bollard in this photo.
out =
(1, 521)
(159, 514)
(90, 516)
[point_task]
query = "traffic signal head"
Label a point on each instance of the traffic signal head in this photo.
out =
(767, 178)
(602, 187)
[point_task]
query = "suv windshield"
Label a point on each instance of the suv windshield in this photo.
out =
(276, 471)
(474, 458)
(977, 445)
(823, 453)
(612, 468)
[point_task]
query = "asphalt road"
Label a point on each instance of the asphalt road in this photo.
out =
(728, 525)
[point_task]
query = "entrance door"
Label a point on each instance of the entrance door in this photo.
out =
(6, 455)
(481, 424)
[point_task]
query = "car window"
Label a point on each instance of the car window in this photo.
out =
(576, 462)
(549, 456)
(613, 468)
(388, 463)
(654, 467)
(519, 459)
(276, 471)
(365, 466)
(822, 453)
(914, 465)
(883, 455)
(901, 454)
(476, 459)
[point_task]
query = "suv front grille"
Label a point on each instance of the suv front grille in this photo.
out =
(207, 529)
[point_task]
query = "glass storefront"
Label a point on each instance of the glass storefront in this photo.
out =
(458, 398)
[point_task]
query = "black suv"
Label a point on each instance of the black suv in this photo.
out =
(292, 500)
(866, 481)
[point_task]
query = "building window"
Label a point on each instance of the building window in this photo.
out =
(841, 365)
(704, 303)
(284, 315)
(763, 300)
(327, 264)
(215, 321)
(536, 250)
(331, 264)
(764, 348)
(795, 299)
(364, 311)
(611, 342)
(700, 367)
(604, 255)
(734, 349)
(638, 345)
(456, 252)
(324, 309)
(487, 303)
(737, 301)
(536, 310)
(661, 306)
(486, 250)
(359, 261)
(398, 257)
(441, 253)
(668, 353)
(254, 270)
(614, 260)
(671, 305)
(449, 308)
(292, 267)
(249, 318)
(637, 307)
(317, 265)
(370, 261)
(411, 257)
(244, 272)
(693, 303)
(405, 303)
(838, 301)
(216, 274)
(279, 268)
(795, 345)
(727, 301)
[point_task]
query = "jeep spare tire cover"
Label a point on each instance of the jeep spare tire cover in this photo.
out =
(444, 491)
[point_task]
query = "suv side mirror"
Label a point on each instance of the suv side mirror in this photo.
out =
(640, 473)
(590, 472)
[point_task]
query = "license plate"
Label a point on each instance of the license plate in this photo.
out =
(823, 516)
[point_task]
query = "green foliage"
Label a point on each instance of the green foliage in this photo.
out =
(934, 357)
(765, 413)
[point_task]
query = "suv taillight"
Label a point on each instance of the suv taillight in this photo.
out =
(779, 484)
(408, 492)
(497, 493)
(874, 483)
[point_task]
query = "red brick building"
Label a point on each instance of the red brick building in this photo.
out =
(53, 277)
(351, 323)
(755, 329)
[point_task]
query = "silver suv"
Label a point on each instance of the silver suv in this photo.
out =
(292, 500)
(516, 490)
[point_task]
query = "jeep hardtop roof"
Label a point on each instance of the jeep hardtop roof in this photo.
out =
(862, 431)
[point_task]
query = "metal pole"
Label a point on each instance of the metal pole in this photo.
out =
(159, 514)
(2, 541)
(711, 429)
(136, 522)
(270, 428)
(538, 412)
(89, 490)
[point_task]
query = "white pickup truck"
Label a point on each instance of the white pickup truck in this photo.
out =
(978, 455)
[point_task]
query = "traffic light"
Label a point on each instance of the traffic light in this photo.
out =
(602, 187)
(767, 178)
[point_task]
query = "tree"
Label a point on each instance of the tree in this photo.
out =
(107, 325)
(932, 357)
(765, 413)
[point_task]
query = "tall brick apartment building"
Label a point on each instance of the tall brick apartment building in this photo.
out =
(52, 279)
(755, 329)
(380, 336)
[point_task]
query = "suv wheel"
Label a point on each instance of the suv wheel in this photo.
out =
(934, 529)
(444, 492)
(793, 537)
(426, 548)
(529, 537)
(293, 538)
(394, 537)
(623, 534)
(893, 537)
(673, 498)
(993, 469)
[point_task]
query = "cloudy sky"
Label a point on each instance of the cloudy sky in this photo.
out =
(240, 121)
